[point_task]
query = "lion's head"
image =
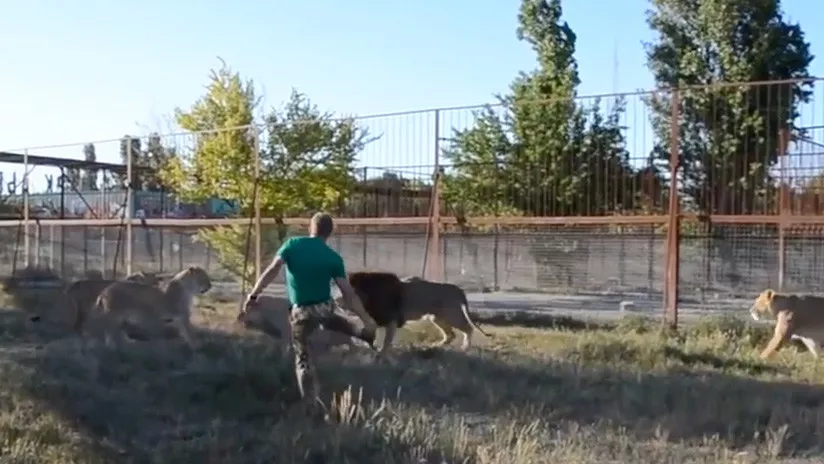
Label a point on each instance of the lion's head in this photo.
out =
(194, 278)
(763, 305)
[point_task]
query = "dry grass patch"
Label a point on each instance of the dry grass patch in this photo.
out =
(572, 393)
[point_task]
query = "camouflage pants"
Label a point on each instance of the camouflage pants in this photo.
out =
(305, 320)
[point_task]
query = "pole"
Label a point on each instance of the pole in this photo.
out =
(37, 233)
(496, 231)
(364, 235)
(258, 226)
(62, 216)
(26, 208)
(783, 206)
(129, 206)
(434, 264)
(107, 210)
(51, 247)
(673, 246)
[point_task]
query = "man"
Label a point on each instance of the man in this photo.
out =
(310, 265)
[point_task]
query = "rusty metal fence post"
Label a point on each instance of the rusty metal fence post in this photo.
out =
(129, 207)
(783, 207)
(26, 245)
(258, 234)
(673, 224)
(433, 262)
(496, 230)
(364, 231)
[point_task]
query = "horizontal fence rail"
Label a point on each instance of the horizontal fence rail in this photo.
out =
(691, 197)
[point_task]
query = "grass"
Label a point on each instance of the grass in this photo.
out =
(570, 392)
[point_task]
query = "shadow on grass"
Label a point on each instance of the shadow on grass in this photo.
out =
(539, 321)
(233, 400)
(685, 404)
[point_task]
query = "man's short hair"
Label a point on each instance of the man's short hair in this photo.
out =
(322, 225)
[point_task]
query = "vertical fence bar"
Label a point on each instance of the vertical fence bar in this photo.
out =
(51, 247)
(365, 210)
(180, 241)
(37, 234)
(258, 227)
(783, 207)
(496, 231)
(129, 206)
(107, 214)
(26, 208)
(85, 230)
(673, 233)
(434, 249)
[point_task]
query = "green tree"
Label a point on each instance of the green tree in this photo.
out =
(728, 135)
(479, 156)
(89, 175)
(307, 160)
(542, 153)
(155, 156)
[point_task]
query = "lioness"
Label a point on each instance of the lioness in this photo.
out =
(270, 315)
(80, 296)
(799, 317)
(123, 304)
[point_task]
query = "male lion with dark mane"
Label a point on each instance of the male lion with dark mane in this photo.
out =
(381, 295)
(392, 302)
(798, 317)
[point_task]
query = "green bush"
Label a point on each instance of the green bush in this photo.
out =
(230, 246)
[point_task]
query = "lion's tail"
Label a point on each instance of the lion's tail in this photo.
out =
(465, 309)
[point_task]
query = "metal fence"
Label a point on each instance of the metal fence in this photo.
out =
(698, 193)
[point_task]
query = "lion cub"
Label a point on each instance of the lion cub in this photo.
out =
(798, 317)
(150, 309)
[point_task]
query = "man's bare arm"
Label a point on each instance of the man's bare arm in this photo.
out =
(353, 302)
(267, 276)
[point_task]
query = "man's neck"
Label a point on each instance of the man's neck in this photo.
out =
(318, 236)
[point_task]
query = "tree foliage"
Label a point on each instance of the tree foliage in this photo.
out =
(307, 159)
(728, 135)
(147, 161)
(89, 176)
(542, 153)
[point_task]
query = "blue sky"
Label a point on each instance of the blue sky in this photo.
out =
(92, 70)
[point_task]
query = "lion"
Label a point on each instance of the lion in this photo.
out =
(380, 293)
(80, 296)
(270, 315)
(124, 305)
(443, 304)
(798, 317)
(392, 301)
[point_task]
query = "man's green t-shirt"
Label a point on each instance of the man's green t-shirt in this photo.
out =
(310, 266)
